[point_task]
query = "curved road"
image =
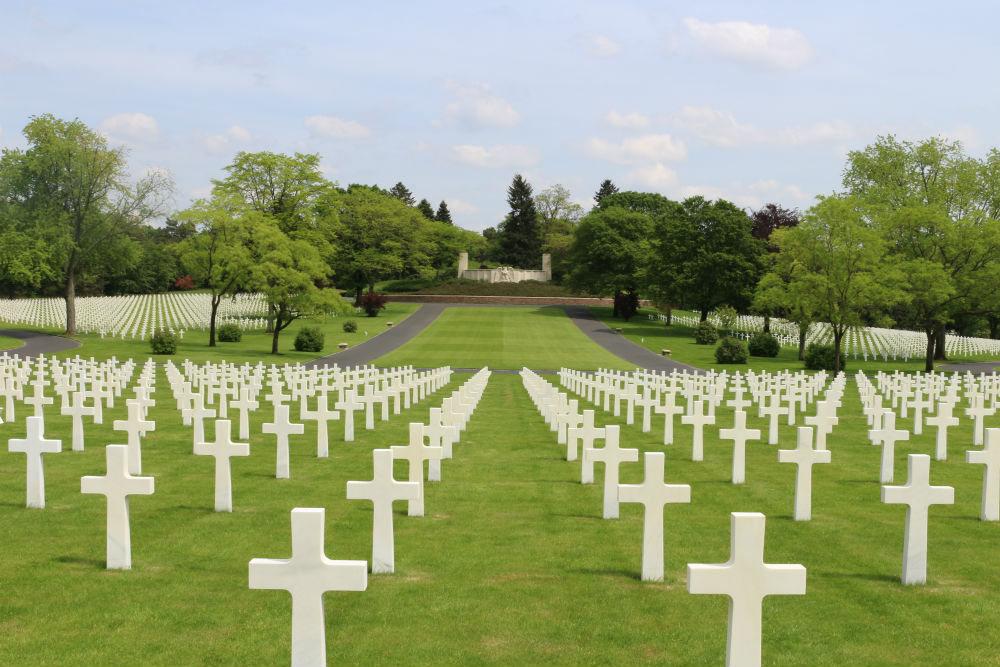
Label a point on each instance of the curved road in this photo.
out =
(36, 343)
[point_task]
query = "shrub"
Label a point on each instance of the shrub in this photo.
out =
(350, 326)
(372, 302)
(163, 342)
(820, 357)
(731, 351)
(706, 333)
(309, 339)
(229, 333)
(764, 345)
(727, 317)
(184, 283)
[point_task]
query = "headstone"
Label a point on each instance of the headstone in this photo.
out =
(612, 456)
(668, 409)
(918, 495)
(739, 434)
(136, 427)
(888, 436)
(653, 493)
(223, 449)
(307, 575)
(773, 410)
(698, 419)
(321, 415)
(243, 405)
(585, 434)
(34, 445)
(990, 457)
(282, 427)
(804, 456)
(349, 404)
(117, 485)
(978, 411)
(382, 490)
(77, 410)
(943, 419)
(746, 579)
(416, 453)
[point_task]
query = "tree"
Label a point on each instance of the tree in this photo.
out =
(426, 209)
(606, 188)
(70, 188)
(770, 217)
(443, 214)
(402, 193)
(648, 203)
(783, 291)
(839, 267)
(555, 203)
(520, 238)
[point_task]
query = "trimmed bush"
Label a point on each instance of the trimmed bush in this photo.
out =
(372, 302)
(820, 357)
(764, 345)
(350, 326)
(163, 342)
(731, 351)
(706, 333)
(310, 339)
(229, 333)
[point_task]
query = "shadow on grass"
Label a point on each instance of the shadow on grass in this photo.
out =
(857, 575)
(624, 574)
(96, 563)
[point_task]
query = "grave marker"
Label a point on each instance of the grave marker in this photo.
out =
(223, 449)
(804, 456)
(117, 485)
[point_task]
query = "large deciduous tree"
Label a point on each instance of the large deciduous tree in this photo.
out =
(519, 234)
(70, 188)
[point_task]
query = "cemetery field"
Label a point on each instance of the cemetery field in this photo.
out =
(8, 343)
(470, 337)
(679, 339)
(512, 563)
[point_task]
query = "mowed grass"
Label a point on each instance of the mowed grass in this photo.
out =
(512, 563)
(8, 343)
(503, 338)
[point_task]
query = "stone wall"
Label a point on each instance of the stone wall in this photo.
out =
(505, 274)
(507, 300)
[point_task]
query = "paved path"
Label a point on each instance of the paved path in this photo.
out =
(36, 343)
(597, 331)
(979, 367)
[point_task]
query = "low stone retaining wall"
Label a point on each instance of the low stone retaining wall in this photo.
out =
(507, 300)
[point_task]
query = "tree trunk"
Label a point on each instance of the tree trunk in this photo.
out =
(802, 342)
(939, 351)
(670, 316)
(767, 324)
(931, 340)
(270, 318)
(211, 320)
(274, 338)
(357, 296)
(838, 338)
(994, 326)
(70, 303)
(704, 315)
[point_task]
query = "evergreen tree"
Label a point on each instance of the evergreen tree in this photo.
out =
(520, 236)
(443, 214)
(425, 207)
(403, 194)
(607, 188)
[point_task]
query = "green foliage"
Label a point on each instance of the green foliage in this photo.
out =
(823, 357)
(229, 333)
(519, 234)
(350, 326)
(443, 214)
(605, 189)
(426, 209)
(731, 351)
(402, 193)
(310, 339)
(764, 345)
(372, 302)
(163, 342)
(727, 317)
(705, 333)
(610, 250)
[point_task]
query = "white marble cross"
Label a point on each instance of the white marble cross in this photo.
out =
(77, 410)
(586, 433)
(739, 434)
(698, 419)
(612, 456)
(943, 419)
(416, 453)
(282, 427)
(34, 444)
(349, 403)
(223, 449)
(978, 411)
(647, 402)
(441, 435)
(918, 495)
(824, 420)
(804, 456)
(746, 579)
(888, 436)
(773, 410)
(653, 493)
(39, 400)
(382, 490)
(990, 457)
(197, 414)
(321, 415)
(117, 485)
(136, 427)
(307, 575)
(243, 406)
(668, 409)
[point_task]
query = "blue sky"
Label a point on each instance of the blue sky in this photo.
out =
(753, 102)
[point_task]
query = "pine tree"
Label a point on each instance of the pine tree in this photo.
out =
(520, 236)
(443, 214)
(607, 188)
(402, 193)
(425, 207)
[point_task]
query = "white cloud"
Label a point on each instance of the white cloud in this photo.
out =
(720, 128)
(232, 137)
(601, 45)
(329, 170)
(751, 196)
(496, 156)
(637, 150)
(631, 121)
(657, 176)
(335, 128)
(420, 146)
(459, 206)
(754, 43)
(475, 106)
(126, 128)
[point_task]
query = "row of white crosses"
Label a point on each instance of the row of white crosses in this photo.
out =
(308, 574)
(746, 579)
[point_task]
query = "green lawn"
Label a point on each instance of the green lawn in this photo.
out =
(8, 343)
(539, 338)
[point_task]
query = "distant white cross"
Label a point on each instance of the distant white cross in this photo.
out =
(223, 449)
(77, 410)
(416, 452)
(943, 419)
(668, 409)
(824, 420)
(612, 456)
(990, 457)
(307, 575)
(586, 433)
(197, 414)
(321, 415)
(34, 444)
(349, 403)
(739, 434)
(978, 411)
(136, 427)
(282, 427)
(804, 456)
(698, 419)
(117, 485)
(243, 405)
(888, 436)
(746, 579)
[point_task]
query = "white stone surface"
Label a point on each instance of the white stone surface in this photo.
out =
(282, 427)
(888, 436)
(223, 449)
(803, 456)
(34, 444)
(136, 427)
(739, 434)
(416, 452)
(698, 420)
(612, 456)
(77, 410)
(943, 419)
(117, 485)
(990, 457)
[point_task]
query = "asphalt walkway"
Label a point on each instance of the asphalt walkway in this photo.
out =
(36, 343)
(978, 367)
